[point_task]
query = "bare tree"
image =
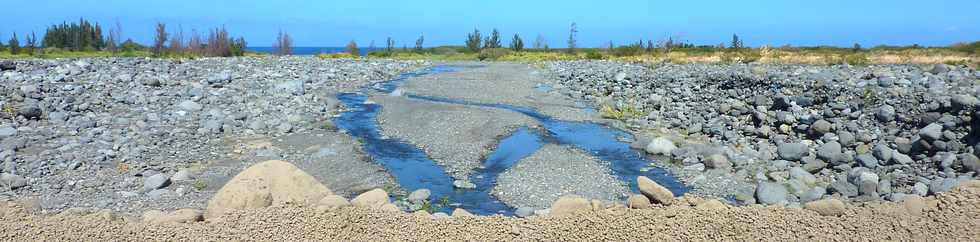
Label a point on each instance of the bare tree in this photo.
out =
(352, 48)
(177, 41)
(31, 43)
(540, 42)
(195, 43)
(419, 42)
(284, 44)
(114, 38)
(573, 31)
(160, 39)
(219, 43)
(389, 46)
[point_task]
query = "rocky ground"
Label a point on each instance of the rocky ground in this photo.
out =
(785, 134)
(538, 180)
(131, 133)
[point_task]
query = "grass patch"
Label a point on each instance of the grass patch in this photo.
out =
(625, 113)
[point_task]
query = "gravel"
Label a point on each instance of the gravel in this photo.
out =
(553, 171)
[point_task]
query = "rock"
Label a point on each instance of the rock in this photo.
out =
(440, 215)
(654, 191)
(830, 152)
(845, 138)
(524, 212)
(265, 184)
(661, 146)
(843, 188)
(331, 202)
(570, 205)
(885, 113)
(419, 196)
(711, 204)
(179, 216)
(813, 194)
(900, 158)
(459, 213)
(867, 160)
(820, 127)
(7, 132)
(771, 193)
(12, 181)
(371, 199)
(802, 175)
(931, 132)
(220, 79)
(181, 175)
(814, 165)
(938, 186)
(155, 182)
(883, 153)
(962, 102)
(637, 201)
(791, 151)
(391, 208)
(717, 161)
(970, 162)
(826, 207)
(939, 69)
(463, 184)
(191, 106)
(30, 109)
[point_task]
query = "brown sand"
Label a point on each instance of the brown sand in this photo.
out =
(954, 216)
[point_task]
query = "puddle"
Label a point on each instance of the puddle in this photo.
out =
(414, 170)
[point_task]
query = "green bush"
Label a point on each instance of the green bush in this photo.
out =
(594, 55)
(857, 59)
(493, 54)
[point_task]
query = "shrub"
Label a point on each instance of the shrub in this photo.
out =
(624, 113)
(594, 55)
(493, 54)
(857, 59)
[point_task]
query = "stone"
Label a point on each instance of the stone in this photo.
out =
(570, 205)
(820, 127)
(7, 132)
(191, 106)
(771, 193)
(717, 161)
(660, 146)
(179, 216)
(867, 160)
(371, 199)
(814, 165)
(885, 113)
(939, 69)
(459, 213)
(826, 207)
(813, 194)
(419, 196)
(391, 208)
(711, 204)
(883, 153)
(802, 175)
(524, 212)
(844, 188)
(791, 151)
(155, 182)
(899, 158)
(268, 183)
(331, 202)
(463, 184)
(637, 201)
(12, 181)
(830, 152)
(961, 102)
(655, 192)
(845, 138)
(293, 87)
(942, 185)
(931, 132)
(970, 162)
(181, 175)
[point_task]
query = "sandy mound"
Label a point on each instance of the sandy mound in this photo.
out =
(264, 184)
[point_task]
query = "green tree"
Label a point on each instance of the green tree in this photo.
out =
(517, 44)
(389, 46)
(419, 42)
(159, 39)
(351, 48)
(493, 40)
(31, 43)
(573, 31)
(736, 43)
(14, 44)
(857, 47)
(473, 41)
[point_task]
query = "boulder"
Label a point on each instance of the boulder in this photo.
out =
(717, 161)
(831, 152)
(654, 191)
(371, 199)
(885, 113)
(569, 205)
(524, 212)
(826, 207)
(331, 202)
(265, 184)
(12, 181)
(770, 193)
(931, 132)
(419, 196)
(660, 146)
(155, 182)
(820, 127)
(791, 151)
(637, 201)
(188, 105)
(711, 204)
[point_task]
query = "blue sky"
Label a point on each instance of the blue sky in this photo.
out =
(334, 23)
